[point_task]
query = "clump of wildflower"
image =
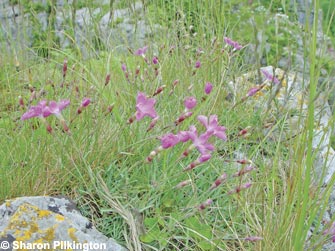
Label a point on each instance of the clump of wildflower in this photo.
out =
(212, 127)
(84, 103)
(169, 140)
(44, 109)
(141, 51)
(145, 106)
(208, 88)
(190, 103)
(36, 111)
(270, 77)
(155, 60)
(200, 142)
(233, 43)
(197, 64)
(55, 108)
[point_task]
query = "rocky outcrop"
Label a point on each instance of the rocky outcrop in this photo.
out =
(284, 98)
(90, 29)
(41, 223)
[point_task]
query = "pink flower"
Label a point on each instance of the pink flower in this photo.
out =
(155, 60)
(145, 106)
(200, 142)
(190, 102)
(270, 77)
(183, 136)
(85, 102)
(124, 67)
(197, 64)
(56, 108)
(36, 111)
(235, 44)
(212, 127)
(208, 88)
(169, 140)
(141, 51)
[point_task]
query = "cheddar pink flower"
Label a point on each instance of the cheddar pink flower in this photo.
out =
(208, 88)
(145, 106)
(270, 77)
(36, 111)
(200, 142)
(212, 126)
(141, 51)
(190, 102)
(169, 140)
(235, 44)
(56, 108)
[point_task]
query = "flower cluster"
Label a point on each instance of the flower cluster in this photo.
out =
(44, 109)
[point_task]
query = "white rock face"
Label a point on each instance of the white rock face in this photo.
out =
(50, 221)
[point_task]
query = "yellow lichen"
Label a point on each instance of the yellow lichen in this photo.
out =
(43, 213)
(59, 217)
(71, 231)
(33, 227)
(26, 235)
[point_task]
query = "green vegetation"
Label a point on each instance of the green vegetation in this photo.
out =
(102, 160)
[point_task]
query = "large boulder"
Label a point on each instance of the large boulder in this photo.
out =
(42, 222)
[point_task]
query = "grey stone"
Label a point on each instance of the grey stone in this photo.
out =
(50, 221)
(126, 27)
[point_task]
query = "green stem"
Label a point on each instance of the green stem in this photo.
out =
(302, 228)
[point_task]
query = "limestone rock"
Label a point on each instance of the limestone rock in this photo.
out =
(38, 223)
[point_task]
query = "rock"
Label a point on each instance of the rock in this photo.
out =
(127, 27)
(290, 101)
(38, 223)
